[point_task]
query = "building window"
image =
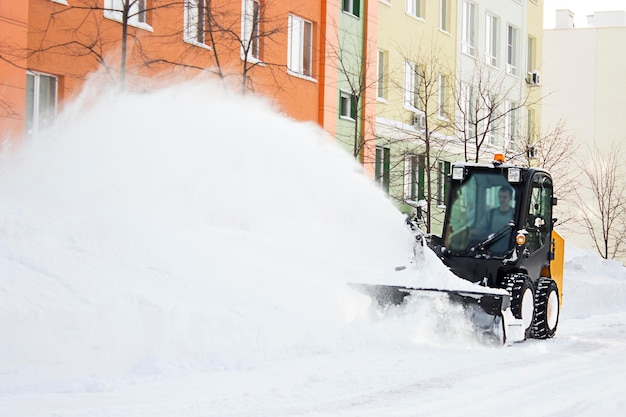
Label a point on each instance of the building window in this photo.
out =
(196, 21)
(443, 168)
(468, 34)
(491, 39)
(531, 64)
(444, 15)
(510, 122)
(382, 167)
(491, 123)
(530, 127)
(443, 96)
(414, 8)
(250, 28)
(468, 96)
(41, 101)
(300, 52)
(412, 97)
(381, 83)
(352, 6)
(414, 177)
(136, 11)
(347, 105)
(511, 50)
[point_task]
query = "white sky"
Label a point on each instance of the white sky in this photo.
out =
(581, 9)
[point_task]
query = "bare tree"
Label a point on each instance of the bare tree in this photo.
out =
(249, 30)
(427, 88)
(604, 214)
(552, 149)
(487, 109)
(89, 35)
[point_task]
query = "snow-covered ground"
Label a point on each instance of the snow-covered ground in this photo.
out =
(186, 252)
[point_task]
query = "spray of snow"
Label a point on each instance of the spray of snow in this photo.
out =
(154, 228)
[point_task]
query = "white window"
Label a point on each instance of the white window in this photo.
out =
(347, 106)
(352, 6)
(468, 33)
(443, 96)
(411, 178)
(251, 11)
(41, 101)
(491, 40)
(530, 126)
(414, 8)
(412, 98)
(136, 12)
(468, 96)
(300, 48)
(492, 122)
(195, 21)
(530, 61)
(382, 167)
(444, 15)
(510, 122)
(511, 50)
(443, 168)
(381, 79)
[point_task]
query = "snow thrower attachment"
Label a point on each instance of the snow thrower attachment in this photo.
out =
(489, 312)
(498, 233)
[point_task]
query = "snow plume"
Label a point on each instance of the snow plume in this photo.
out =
(185, 224)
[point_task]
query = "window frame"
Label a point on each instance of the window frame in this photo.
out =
(348, 111)
(512, 49)
(444, 15)
(414, 8)
(382, 167)
(300, 54)
(414, 176)
(531, 59)
(250, 30)
(492, 39)
(34, 121)
(442, 96)
(381, 75)
(351, 7)
(468, 28)
(412, 86)
(193, 22)
(443, 170)
(137, 18)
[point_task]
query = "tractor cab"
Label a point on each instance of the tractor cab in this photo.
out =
(498, 221)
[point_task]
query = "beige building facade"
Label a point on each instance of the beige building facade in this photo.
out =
(586, 90)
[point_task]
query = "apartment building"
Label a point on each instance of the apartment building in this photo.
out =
(585, 84)
(268, 47)
(458, 80)
(416, 72)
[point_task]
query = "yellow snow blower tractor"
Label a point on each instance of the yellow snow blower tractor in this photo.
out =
(498, 233)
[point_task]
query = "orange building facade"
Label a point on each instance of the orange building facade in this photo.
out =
(274, 48)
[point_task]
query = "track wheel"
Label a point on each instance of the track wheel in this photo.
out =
(520, 286)
(546, 309)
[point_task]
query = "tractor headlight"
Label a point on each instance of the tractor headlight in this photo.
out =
(514, 175)
(520, 239)
(458, 173)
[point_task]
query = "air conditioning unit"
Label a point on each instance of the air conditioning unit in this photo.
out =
(419, 121)
(534, 78)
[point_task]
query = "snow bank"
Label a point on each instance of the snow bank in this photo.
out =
(592, 285)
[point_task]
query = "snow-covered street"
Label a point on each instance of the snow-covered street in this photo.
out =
(192, 265)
